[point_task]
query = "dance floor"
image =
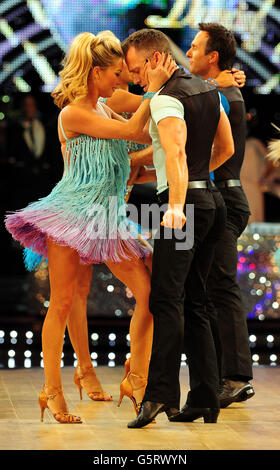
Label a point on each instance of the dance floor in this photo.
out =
(251, 425)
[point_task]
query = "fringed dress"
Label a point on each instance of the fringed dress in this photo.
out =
(85, 210)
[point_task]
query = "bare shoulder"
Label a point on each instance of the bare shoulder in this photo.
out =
(72, 111)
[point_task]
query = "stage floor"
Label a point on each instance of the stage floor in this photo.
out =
(252, 425)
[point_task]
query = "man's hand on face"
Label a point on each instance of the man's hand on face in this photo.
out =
(174, 218)
(157, 76)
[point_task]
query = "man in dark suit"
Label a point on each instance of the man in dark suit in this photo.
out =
(212, 51)
(182, 135)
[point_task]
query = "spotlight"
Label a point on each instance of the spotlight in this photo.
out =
(270, 339)
(127, 356)
(94, 336)
(252, 338)
(111, 364)
(112, 336)
(183, 357)
(275, 305)
(111, 355)
(273, 357)
(110, 288)
(11, 363)
(13, 334)
(27, 363)
(2, 334)
(256, 357)
(11, 353)
(94, 355)
(256, 236)
(128, 337)
(42, 364)
(27, 353)
(29, 334)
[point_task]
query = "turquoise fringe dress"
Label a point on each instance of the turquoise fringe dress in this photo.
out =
(85, 210)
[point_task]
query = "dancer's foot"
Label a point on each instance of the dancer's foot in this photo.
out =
(53, 399)
(133, 386)
(85, 378)
(148, 412)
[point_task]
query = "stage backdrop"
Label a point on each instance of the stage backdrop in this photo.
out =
(35, 34)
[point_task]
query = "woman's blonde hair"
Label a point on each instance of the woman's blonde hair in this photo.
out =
(86, 52)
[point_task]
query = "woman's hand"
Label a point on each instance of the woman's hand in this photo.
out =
(161, 73)
(232, 77)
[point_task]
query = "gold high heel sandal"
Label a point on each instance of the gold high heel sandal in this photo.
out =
(126, 368)
(96, 395)
(126, 389)
(60, 416)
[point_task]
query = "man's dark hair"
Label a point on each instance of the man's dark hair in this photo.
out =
(147, 39)
(221, 40)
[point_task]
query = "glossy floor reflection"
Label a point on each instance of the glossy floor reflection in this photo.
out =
(249, 425)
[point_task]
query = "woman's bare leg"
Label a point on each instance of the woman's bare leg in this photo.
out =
(135, 275)
(78, 332)
(63, 267)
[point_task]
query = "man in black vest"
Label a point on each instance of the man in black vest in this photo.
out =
(186, 118)
(213, 50)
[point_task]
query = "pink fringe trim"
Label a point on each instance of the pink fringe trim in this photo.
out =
(91, 251)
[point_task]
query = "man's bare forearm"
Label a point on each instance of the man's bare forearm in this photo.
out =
(177, 177)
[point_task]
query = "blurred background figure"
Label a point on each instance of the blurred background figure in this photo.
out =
(27, 153)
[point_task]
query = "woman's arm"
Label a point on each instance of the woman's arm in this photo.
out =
(143, 136)
(81, 121)
(123, 101)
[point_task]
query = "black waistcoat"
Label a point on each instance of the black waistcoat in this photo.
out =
(202, 112)
(237, 118)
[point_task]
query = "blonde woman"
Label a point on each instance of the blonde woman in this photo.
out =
(75, 226)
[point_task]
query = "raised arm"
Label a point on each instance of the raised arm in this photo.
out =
(124, 101)
(82, 121)
(233, 77)
(223, 145)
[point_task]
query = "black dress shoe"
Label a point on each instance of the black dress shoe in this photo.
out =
(148, 411)
(189, 414)
(235, 391)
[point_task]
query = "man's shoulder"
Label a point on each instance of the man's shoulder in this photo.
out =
(232, 93)
(185, 85)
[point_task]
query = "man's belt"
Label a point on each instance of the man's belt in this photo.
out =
(227, 183)
(203, 184)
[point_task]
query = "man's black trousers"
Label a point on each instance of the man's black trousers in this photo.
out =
(178, 304)
(224, 295)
